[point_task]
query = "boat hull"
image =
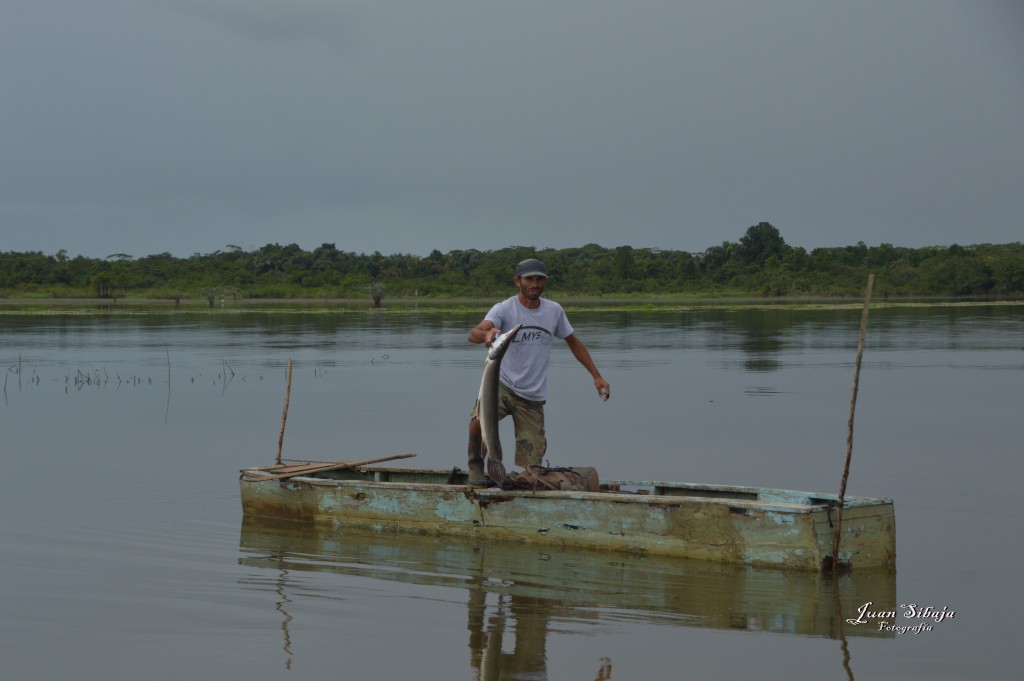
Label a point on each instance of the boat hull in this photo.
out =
(751, 526)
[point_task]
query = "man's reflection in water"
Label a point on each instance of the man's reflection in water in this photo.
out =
(528, 659)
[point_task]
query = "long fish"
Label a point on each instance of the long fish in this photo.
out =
(487, 400)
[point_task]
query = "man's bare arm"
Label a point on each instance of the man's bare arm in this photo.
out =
(582, 355)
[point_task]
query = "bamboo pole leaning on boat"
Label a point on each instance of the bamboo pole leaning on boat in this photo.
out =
(284, 416)
(306, 469)
(849, 430)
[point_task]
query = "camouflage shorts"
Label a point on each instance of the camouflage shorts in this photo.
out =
(528, 420)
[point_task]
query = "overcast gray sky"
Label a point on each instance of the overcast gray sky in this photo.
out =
(401, 126)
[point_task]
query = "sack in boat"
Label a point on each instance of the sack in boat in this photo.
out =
(540, 478)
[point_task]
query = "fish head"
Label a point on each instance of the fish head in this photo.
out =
(502, 343)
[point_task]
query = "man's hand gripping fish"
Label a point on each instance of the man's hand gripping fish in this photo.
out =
(487, 411)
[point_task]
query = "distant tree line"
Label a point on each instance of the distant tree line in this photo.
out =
(761, 263)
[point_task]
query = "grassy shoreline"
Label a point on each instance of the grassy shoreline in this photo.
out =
(447, 305)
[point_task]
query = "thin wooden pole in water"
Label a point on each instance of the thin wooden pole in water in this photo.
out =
(284, 416)
(849, 430)
(167, 408)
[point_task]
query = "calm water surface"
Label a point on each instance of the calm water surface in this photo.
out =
(125, 554)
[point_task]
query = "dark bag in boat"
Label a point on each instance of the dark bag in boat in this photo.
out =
(540, 478)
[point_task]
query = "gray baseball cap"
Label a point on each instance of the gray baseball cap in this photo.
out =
(531, 267)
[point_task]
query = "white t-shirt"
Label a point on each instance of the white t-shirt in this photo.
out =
(524, 368)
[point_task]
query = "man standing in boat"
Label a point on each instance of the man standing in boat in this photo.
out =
(522, 389)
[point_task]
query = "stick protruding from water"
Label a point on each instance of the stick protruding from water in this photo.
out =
(284, 416)
(849, 430)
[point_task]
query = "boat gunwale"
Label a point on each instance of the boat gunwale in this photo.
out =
(816, 503)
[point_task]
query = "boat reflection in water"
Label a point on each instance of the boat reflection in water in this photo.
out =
(524, 587)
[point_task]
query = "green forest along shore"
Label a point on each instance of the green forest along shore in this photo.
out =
(760, 265)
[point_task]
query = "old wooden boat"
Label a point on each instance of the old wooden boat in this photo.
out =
(745, 525)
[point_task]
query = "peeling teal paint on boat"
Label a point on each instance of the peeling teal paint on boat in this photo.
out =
(329, 504)
(449, 510)
(385, 505)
